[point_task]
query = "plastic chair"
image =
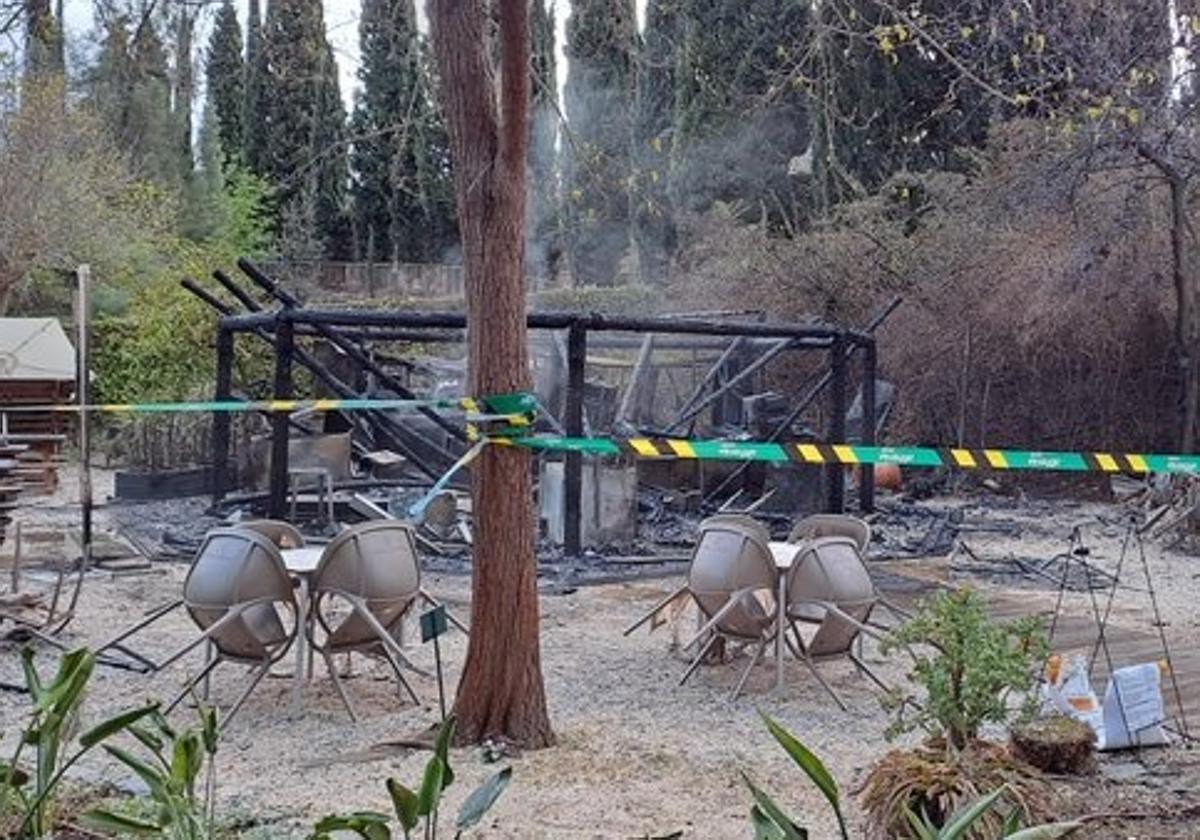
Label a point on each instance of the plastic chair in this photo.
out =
(832, 525)
(829, 585)
(283, 534)
(374, 568)
(232, 592)
(731, 565)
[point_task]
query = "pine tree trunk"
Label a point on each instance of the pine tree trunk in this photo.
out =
(500, 694)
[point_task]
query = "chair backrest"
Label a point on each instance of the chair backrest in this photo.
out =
(374, 561)
(283, 534)
(233, 566)
(830, 569)
(832, 525)
(732, 554)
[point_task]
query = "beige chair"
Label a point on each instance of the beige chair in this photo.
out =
(233, 592)
(839, 525)
(832, 525)
(732, 579)
(373, 568)
(828, 585)
(283, 534)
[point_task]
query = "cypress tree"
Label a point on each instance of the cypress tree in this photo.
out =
(303, 119)
(130, 88)
(382, 122)
(653, 214)
(226, 74)
(600, 80)
(888, 104)
(43, 40)
(738, 127)
(254, 138)
(181, 101)
(403, 204)
(543, 241)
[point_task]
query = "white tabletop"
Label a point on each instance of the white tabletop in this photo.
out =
(783, 553)
(302, 561)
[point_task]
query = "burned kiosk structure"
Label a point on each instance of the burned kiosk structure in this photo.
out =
(683, 377)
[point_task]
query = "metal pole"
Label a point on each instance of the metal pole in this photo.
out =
(835, 475)
(83, 278)
(277, 504)
(573, 421)
(866, 475)
(222, 420)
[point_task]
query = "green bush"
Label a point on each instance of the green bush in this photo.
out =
(968, 666)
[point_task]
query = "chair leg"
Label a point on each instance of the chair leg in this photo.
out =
(862, 666)
(806, 657)
(712, 622)
(260, 671)
(382, 633)
(387, 651)
(655, 610)
(337, 683)
(191, 683)
(699, 657)
(149, 619)
(758, 652)
(451, 617)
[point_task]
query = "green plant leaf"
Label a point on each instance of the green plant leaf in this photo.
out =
(114, 725)
(1048, 831)
(66, 690)
(960, 823)
(920, 826)
(13, 777)
(186, 761)
(431, 786)
(114, 823)
(368, 824)
(1011, 823)
(147, 738)
(33, 683)
(405, 804)
(482, 799)
(155, 779)
(788, 828)
(445, 736)
(442, 749)
(209, 730)
(764, 827)
(805, 760)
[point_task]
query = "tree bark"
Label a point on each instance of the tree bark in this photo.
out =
(500, 694)
(1187, 331)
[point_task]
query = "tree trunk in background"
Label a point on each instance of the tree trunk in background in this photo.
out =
(1186, 332)
(500, 694)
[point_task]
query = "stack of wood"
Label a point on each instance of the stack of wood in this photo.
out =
(1170, 505)
(37, 368)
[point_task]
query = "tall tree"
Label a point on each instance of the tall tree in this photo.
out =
(225, 71)
(130, 87)
(184, 83)
(254, 134)
(303, 117)
(737, 127)
(653, 214)
(43, 40)
(599, 96)
(500, 693)
(542, 229)
(403, 195)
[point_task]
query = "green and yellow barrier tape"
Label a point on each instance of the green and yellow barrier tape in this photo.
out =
(508, 419)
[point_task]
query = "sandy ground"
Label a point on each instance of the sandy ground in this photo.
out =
(637, 755)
